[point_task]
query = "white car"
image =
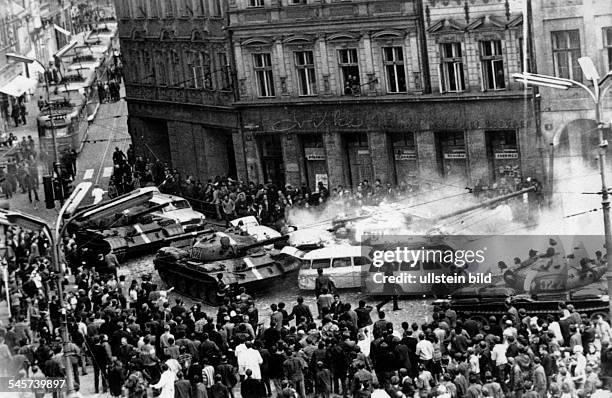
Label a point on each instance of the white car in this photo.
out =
(177, 208)
(250, 226)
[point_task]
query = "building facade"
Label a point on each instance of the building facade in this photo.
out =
(179, 83)
(401, 91)
(405, 91)
(34, 29)
(570, 30)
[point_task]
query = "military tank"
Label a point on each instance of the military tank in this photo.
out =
(240, 260)
(129, 225)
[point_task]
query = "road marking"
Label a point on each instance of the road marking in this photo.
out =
(88, 174)
(108, 171)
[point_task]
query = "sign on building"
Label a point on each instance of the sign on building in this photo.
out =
(314, 153)
(405, 154)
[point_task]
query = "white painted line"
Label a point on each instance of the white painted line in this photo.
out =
(108, 171)
(88, 174)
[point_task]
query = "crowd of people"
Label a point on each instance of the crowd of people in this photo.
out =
(224, 198)
(138, 342)
(21, 171)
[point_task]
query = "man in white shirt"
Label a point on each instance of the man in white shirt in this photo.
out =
(425, 351)
(249, 358)
(98, 194)
(498, 355)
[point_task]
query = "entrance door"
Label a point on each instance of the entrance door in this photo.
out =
(504, 159)
(405, 157)
(360, 160)
(315, 158)
(272, 159)
(453, 155)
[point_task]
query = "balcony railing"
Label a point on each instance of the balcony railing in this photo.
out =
(180, 95)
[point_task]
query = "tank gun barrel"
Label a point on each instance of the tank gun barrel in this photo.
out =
(188, 235)
(270, 241)
(486, 203)
(134, 216)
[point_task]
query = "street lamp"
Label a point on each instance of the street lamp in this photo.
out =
(33, 223)
(590, 73)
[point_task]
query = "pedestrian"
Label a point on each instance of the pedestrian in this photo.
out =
(23, 112)
(15, 115)
(31, 185)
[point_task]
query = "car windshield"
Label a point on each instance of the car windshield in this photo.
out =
(178, 204)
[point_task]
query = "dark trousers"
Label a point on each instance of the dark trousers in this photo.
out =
(30, 190)
(386, 300)
(97, 372)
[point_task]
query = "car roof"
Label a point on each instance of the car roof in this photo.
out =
(337, 251)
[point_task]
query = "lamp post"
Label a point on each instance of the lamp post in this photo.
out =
(33, 223)
(596, 94)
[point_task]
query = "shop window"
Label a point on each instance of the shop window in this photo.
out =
(393, 59)
(503, 151)
(297, 2)
(451, 68)
(566, 51)
(256, 3)
(349, 69)
(492, 62)
(304, 63)
(262, 64)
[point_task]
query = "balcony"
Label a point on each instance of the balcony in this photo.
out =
(180, 95)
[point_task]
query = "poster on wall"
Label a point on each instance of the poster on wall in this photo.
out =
(323, 179)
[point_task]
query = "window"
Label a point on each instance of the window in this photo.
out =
(492, 65)
(341, 262)
(349, 69)
(153, 7)
(608, 46)
(393, 58)
(304, 63)
(297, 1)
(566, 51)
(200, 8)
(451, 65)
(323, 263)
(222, 72)
(256, 3)
(140, 9)
(263, 73)
(200, 70)
(168, 8)
(161, 69)
(359, 261)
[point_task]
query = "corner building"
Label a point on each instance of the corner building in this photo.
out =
(178, 83)
(402, 91)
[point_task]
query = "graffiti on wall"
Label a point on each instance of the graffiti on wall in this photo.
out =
(341, 119)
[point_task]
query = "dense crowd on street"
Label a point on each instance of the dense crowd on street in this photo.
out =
(21, 171)
(139, 342)
(224, 198)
